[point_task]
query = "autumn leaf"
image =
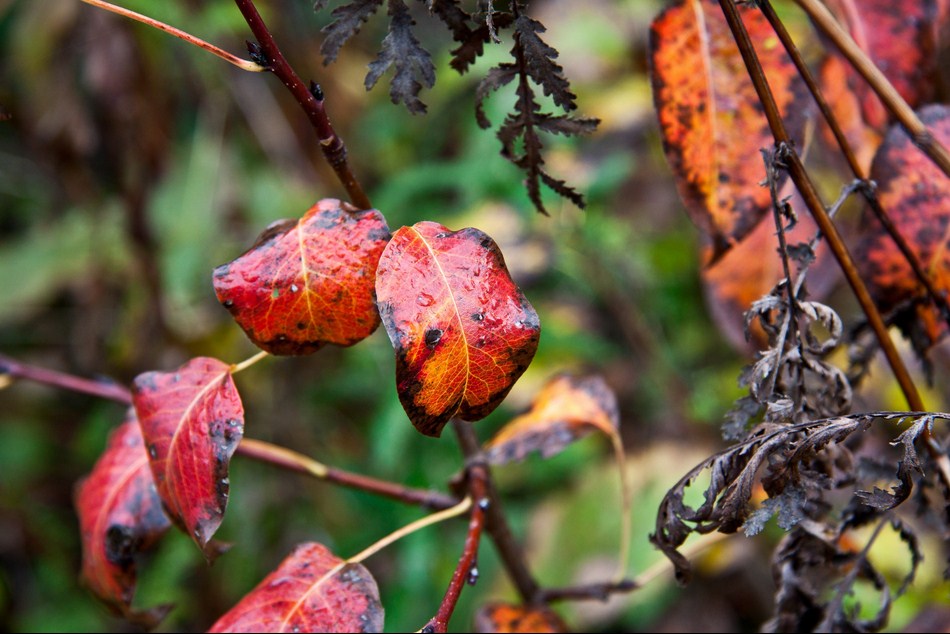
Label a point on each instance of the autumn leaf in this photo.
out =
(835, 77)
(566, 409)
(916, 196)
(311, 591)
(120, 516)
(711, 120)
(308, 283)
(506, 617)
(462, 330)
(192, 421)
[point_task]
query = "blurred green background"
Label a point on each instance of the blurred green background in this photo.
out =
(132, 164)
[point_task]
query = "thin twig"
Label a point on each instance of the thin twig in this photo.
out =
(310, 99)
(244, 365)
(243, 64)
(900, 109)
(102, 389)
(510, 552)
(466, 571)
(293, 461)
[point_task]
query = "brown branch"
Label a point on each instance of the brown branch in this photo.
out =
(590, 592)
(510, 552)
(102, 389)
(310, 99)
(900, 109)
(293, 461)
(939, 299)
(466, 571)
(817, 208)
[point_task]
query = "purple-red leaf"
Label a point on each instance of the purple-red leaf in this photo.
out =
(192, 421)
(308, 283)
(120, 516)
(567, 409)
(311, 591)
(710, 116)
(462, 330)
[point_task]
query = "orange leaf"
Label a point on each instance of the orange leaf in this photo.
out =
(120, 516)
(462, 330)
(312, 590)
(308, 283)
(710, 117)
(192, 421)
(916, 196)
(505, 617)
(567, 409)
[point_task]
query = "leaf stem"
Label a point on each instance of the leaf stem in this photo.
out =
(510, 552)
(310, 99)
(244, 365)
(813, 201)
(243, 64)
(293, 461)
(103, 389)
(828, 25)
(626, 503)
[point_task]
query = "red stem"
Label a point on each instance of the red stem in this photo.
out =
(102, 389)
(310, 99)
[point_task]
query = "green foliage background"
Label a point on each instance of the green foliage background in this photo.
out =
(133, 164)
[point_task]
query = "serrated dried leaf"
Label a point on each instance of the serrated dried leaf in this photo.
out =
(348, 19)
(539, 62)
(402, 51)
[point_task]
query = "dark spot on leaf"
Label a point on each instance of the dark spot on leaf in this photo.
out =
(432, 337)
(478, 317)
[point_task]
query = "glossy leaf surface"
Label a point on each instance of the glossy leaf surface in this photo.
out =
(507, 617)
(916, 196)
(120, 516)
(462, 330)
(192, 420)
(311, 591)
(308, 283)
(710, 118)
(566, 409)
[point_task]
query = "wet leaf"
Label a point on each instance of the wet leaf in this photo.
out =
(192, 420)
(710, 117)
(916, 196)
(506, 617)
(462, 330)
(899, 37)
(308, 283)
(566, 409)
(311, 591)
(835, 77)
(120, 516)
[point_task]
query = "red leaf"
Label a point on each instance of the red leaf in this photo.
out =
(120, 516)
(710, 117)
(462, 330)
(308, 283)
(311, 591)
(505, 617)
(899, 37)
(192, 421)
(916, 196)
(568, 408)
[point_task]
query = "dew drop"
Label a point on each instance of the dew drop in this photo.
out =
(473, 576)
(228, 303)
(152, 452)
(478, 317)
(441, 235)
(484, 503)
(519, 325)
(424, 299)
(433, 336)
(294, 288)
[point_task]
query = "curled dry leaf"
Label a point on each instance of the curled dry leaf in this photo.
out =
(308, 283)
(312, 590)
(916, 196)
(710, 117)
(506, 617)
(192, 421)
(462, 330)
(566, 409)
(120, 516)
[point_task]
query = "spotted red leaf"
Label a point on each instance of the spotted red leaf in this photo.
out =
(711, 120)
(916, 196)
(462, 330)
(120, 516)
(566, 409)
(506, 617)
(308, 283)
(192, 420)
(311, 591)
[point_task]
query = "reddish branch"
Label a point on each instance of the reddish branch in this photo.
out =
(466, 571)
(266, 53)
(103, 389)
